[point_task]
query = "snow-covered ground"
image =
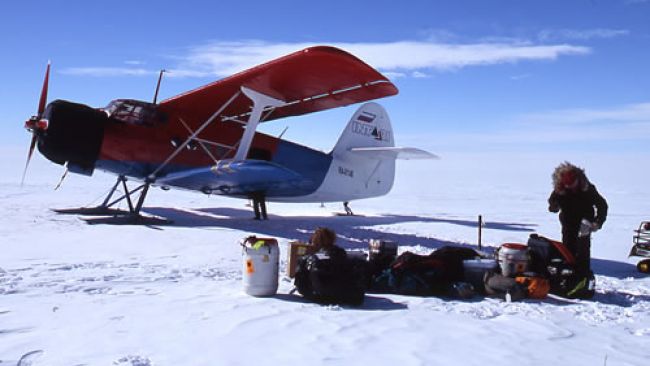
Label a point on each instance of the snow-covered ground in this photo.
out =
(79, 294)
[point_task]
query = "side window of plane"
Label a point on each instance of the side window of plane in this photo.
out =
(135, 112)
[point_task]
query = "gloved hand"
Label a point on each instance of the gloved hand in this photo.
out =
(586, 228)
(595, 227)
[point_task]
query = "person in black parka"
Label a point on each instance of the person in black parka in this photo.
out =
(329, 276)
(324, 239)
(576, 199)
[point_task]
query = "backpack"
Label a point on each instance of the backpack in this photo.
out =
(329, 280)
(549, 257)
(556, 263)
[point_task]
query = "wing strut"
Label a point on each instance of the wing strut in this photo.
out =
(260, 102)
(205, 149)
(179, 148)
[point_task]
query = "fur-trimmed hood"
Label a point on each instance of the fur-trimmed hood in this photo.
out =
(568, 168)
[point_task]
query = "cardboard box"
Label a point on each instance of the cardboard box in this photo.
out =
(296, 251)
(379, 249)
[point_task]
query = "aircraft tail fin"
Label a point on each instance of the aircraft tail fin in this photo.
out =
(369, 127)
(363, 159)
(369, 134)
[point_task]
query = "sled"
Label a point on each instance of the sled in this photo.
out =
(641, 247)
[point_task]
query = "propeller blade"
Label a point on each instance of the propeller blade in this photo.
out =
(29, 156)
(43, 100)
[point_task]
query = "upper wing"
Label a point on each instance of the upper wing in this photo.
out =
(310, 80)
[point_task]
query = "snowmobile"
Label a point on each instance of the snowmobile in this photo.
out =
(641, 247)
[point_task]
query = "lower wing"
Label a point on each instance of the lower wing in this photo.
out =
(240, 178)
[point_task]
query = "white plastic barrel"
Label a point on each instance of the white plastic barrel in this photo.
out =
(261, 266)
(512, 258)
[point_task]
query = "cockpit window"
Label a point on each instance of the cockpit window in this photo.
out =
(135, 112)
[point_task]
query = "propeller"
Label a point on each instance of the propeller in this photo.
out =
(37, 124)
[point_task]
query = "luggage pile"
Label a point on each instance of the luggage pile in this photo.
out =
(519, 271)
(508, 276)
(326, 274)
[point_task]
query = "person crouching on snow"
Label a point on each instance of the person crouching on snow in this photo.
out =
(576, 199)
(324, 239)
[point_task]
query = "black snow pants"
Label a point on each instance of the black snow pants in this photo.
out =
(580, 247)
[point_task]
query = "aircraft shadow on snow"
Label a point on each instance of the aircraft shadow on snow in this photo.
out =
(354, 232)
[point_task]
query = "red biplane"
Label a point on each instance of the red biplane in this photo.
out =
(205, 139)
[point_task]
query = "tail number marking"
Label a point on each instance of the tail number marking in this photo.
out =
(346, 172)
(371, 131)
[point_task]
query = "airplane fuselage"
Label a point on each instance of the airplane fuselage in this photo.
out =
(88, 139)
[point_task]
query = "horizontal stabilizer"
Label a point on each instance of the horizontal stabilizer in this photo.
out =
(405, 153)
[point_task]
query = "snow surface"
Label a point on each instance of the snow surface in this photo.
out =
(79, 294)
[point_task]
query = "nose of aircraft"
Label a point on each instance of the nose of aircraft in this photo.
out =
(73, 136)
(66, 132)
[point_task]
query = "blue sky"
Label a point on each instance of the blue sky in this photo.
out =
(473, 75)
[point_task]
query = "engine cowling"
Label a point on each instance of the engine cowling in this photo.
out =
(74, 135)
